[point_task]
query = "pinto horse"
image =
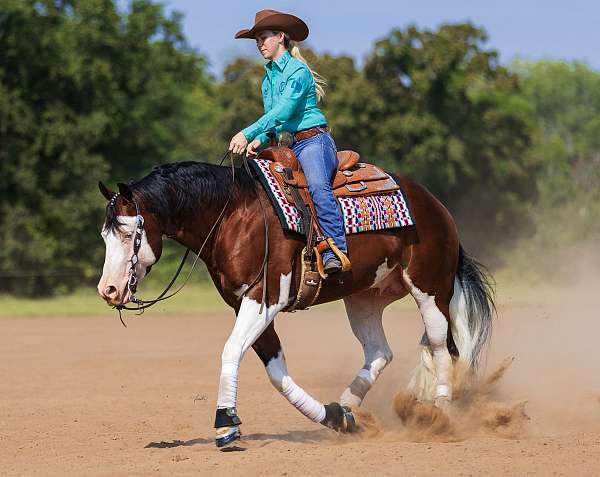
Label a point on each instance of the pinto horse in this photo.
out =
(223, 212)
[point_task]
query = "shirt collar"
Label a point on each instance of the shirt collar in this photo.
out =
(280, 62)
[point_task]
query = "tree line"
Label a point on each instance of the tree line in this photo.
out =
(91, 92)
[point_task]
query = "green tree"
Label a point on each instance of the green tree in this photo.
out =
(351, 103)
(453, 119)
(86, 93)
(240, 97)
(566, 101)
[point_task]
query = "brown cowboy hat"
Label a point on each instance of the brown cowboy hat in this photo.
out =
(274, 20)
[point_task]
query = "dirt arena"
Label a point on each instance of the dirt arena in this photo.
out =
(84, 396)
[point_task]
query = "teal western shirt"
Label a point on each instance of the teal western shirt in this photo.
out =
(289, 99)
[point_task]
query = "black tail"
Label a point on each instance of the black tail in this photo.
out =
(478, 287)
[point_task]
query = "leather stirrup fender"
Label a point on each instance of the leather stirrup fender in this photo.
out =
(309, 285)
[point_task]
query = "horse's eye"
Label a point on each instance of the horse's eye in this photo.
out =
(128, 236)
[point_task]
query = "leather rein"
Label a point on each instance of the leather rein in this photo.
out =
(133, 280)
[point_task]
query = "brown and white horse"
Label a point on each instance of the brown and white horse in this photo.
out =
(183, 201)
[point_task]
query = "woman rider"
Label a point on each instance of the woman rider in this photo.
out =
(290, 91)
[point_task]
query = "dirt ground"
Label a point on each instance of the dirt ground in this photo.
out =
(84, 396)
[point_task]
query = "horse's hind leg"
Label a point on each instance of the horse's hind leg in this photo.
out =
(433, 379)
(365, 314)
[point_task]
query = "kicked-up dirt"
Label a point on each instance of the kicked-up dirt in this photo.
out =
(85, 396)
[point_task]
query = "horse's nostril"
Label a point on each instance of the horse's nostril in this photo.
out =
(110, 290)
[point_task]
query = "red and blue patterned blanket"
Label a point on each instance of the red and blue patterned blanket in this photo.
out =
(361, 214)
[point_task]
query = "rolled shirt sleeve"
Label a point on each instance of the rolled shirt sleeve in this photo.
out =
(295, 89)
(262, 137)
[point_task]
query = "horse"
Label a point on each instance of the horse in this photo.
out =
(223, 214)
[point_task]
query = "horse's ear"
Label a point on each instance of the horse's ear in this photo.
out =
(105, 191)
(125, 191)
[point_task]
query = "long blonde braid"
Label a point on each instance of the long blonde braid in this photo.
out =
(320, 82)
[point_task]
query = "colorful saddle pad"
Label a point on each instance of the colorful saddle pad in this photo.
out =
(361, 214)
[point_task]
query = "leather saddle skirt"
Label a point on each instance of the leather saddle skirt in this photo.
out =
(353, 178)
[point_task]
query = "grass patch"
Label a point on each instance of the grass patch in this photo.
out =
(194, 298)
(514, 287)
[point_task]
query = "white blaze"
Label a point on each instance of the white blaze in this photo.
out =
(119, 250)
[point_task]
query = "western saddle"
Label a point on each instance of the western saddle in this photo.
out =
(353, 178)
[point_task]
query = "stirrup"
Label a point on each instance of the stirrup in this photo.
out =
(346, 265)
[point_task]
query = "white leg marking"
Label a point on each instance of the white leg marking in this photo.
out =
(298, 397)
(365, 319)
(249, 325)
(436, 328)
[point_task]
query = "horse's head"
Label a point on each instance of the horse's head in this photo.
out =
(133, 244)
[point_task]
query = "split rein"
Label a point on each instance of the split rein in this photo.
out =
(133, 280)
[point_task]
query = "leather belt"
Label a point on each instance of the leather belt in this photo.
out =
(307, 133)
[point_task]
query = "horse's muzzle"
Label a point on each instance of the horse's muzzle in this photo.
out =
(112, 296)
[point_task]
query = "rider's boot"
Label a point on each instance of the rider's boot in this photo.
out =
(332, 265)
(334, 259)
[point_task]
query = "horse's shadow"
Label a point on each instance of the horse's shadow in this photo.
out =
(177, 443)
(314, 437)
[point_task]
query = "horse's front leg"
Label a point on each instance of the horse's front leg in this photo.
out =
(249, 325)
(268, 348)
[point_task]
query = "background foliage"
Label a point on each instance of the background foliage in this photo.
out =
(89, 92)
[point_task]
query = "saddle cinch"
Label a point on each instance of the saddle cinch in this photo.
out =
(353, 178)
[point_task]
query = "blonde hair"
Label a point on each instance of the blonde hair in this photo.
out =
(320, 82)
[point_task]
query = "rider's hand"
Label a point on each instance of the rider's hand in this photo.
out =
(238, 143)
(252, 147)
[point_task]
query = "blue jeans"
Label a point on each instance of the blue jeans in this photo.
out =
(318, 157)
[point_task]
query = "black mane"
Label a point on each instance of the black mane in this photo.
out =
(178, 190)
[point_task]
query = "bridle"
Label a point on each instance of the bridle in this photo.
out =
(133, 280)
(137, 242)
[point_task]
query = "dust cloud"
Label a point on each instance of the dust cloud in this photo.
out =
(549, 385)
(473, 412)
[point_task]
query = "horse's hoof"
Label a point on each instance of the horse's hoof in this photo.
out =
(349, 423)
(442, 402)
(227, 435)
(339, 418)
